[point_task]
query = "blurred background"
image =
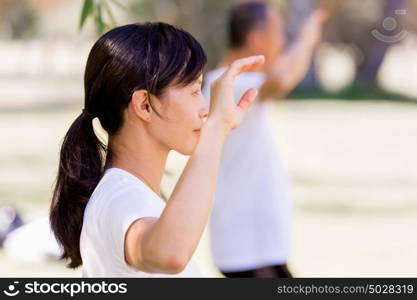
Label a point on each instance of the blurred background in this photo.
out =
(347, 134)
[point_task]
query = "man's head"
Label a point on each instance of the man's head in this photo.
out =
(256, 27)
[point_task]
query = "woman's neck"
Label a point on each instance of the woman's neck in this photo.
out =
(141, 157)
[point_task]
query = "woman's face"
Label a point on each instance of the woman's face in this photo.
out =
(182, 110)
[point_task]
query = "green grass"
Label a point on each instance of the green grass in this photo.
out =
(352, 92)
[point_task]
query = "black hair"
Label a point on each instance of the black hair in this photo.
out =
(243, 18)
(150, 56)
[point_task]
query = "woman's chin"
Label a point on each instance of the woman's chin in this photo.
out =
(186, 149)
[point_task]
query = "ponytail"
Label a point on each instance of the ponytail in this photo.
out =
(79, 171)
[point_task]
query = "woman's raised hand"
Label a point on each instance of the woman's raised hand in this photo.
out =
(223, 108)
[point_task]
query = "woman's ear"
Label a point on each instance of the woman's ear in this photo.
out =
(141, 106)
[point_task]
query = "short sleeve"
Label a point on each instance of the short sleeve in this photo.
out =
(125, 207)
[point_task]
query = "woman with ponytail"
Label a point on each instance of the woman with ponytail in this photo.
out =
(143, 84)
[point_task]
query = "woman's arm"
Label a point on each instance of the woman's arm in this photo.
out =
(166, 244)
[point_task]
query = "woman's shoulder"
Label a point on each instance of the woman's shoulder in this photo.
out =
(118, 191)
(116, 180)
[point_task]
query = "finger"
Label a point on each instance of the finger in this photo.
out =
(247, 99)
(242, 65)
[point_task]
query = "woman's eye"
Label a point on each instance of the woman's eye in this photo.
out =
(197, 92)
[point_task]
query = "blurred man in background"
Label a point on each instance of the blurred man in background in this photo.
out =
(251, 221)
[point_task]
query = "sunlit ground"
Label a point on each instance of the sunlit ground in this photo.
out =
(353, 171)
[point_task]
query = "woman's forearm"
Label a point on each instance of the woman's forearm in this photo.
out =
(179, 228)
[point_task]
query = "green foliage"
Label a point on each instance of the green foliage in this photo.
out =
(101, 14)
(86, 11)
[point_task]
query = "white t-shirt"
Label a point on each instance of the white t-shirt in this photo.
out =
(251, 220)
(119, 199)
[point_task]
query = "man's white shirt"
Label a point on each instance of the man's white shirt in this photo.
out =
(250, 224)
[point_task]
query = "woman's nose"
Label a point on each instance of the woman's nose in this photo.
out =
(204, 111)
(203, 114)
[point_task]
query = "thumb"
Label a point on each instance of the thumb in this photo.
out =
(247, 98)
